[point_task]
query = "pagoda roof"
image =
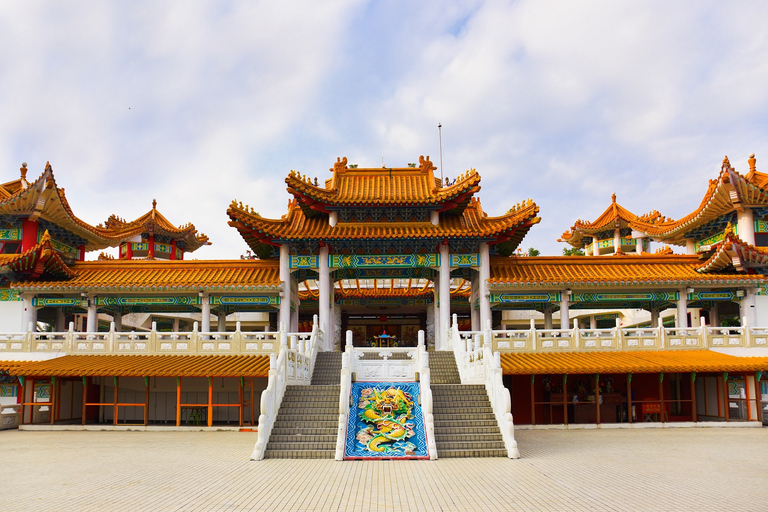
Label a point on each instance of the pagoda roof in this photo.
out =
(729, 192)
(596, 271)
(180, 276)
(733, 252)
(406, 186)
(155, 223)
(615, 216)
(39, 260)
(506, 230)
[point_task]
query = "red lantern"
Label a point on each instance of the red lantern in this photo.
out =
(383, 318)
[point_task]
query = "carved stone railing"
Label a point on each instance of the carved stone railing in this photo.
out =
(624, 338)
(292, 365)
(141, 342)
(405, 364)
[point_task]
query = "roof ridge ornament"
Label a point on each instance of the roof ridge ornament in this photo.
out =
(340, 165)
(752, 160)
(425, 164)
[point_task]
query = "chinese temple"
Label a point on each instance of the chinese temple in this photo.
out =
(390, 264)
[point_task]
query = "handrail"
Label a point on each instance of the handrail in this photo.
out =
(479, 364)
(291, 366)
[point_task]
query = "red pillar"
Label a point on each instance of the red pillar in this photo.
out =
(151, 247)
(28, 234)
(80, 253)
(173, 250)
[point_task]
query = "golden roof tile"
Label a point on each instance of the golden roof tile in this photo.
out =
(668, 361)
(383, 186)
(642, 270)
(147, 366)
(155, 223)
(733, 252)
(509, 228)
(153, 275)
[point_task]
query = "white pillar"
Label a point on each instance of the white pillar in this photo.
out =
(61, 324)
(616, 241)
(689, 248)
(595, 247)
(682, 308)
(29, 314)
(548, 318)
(654, 317)
(176, 325)
(92, 324)
(714, 316)
(748, 309)
(564, 310)
(221, 324)
(593, 322)
(431, 315)
(746, 225)
(445, 294)
(324, 296)
(639, 245)
(285, 278)
(436, 313)
(206, 314)
(474, 314)
(484, 295)
(336, 325)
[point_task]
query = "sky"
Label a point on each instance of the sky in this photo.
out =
(197, 104)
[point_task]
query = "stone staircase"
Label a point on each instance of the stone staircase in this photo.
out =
(305, 427)
(464, 422)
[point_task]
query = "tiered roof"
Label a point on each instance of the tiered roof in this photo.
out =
(614, 217)
(465, 219)
(44, 199)
(596, 271)
(728, 193)
(408, 186)
(154, 223)
(151, 276)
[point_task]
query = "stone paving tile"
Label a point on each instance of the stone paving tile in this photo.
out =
(695, 469)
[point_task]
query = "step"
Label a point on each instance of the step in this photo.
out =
(315, 429)
(468, 445)
(485, 437)
(463, 423)
(299, 418)
(299, 454)
(450, 454)
(299, 438)
(307, 447)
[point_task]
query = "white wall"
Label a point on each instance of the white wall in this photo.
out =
(10, 315)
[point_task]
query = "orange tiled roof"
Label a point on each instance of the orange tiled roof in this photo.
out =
(732, 251)
(615, 216)
(154, 222)
(41, 259)
(628, 362)
(383, 186)
(147, 366)
(729, 192)
(644, 270)
(45, 200)
(261, 233)
(182, 275)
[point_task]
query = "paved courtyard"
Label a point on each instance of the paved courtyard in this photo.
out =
(695, 469)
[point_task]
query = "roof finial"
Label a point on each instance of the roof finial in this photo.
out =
(726, 163)
(23, 170)
(752, 160)
(613, 197)
(154, 204)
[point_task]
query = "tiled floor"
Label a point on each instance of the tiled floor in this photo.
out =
(694, 469)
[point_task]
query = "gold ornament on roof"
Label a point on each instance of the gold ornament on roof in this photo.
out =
(340, 165)
(425, 164)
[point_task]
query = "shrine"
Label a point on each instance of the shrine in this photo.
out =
(420, 289)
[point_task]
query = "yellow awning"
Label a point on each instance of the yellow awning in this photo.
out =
(147, 366)
(626, 362)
